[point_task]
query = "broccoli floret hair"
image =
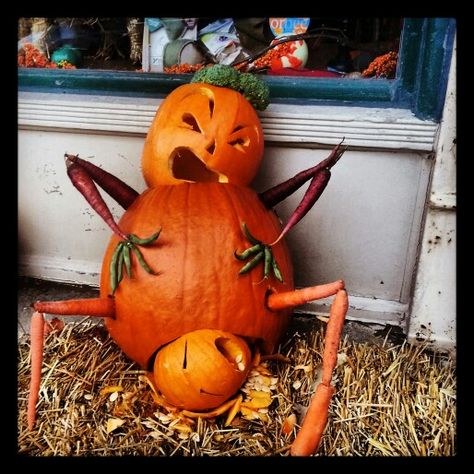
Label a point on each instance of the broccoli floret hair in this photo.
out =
(218, 75)
(254, 89)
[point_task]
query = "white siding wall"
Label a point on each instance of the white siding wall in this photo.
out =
(364, 229)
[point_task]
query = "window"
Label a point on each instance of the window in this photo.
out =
(381, 61)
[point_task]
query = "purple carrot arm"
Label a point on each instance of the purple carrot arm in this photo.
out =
(315, 189)
(84, 184)
(116, 188)
(274, 195)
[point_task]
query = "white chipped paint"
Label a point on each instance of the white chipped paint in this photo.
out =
(433, 311)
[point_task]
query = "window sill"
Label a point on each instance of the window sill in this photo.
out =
(307, 125)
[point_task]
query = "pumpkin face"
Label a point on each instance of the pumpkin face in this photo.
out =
(198, 285)
(203, 133)
(202, 369)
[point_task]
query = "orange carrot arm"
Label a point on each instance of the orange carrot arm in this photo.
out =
(290, 299)
(101, 307)
(308, 438)
(37, 337)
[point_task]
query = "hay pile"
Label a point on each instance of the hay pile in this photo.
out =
(390, 401)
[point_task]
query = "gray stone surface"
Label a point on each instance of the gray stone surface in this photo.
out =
(31, 290)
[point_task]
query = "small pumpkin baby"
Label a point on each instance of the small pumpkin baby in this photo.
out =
(197, 276)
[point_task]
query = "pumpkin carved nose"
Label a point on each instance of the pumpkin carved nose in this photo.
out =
(211, 147)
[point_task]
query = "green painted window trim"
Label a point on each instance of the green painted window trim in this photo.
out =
(420, 85)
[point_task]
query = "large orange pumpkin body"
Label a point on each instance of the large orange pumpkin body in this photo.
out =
(198, 285)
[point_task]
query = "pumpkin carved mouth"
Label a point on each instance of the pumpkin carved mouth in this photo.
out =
(186, 166)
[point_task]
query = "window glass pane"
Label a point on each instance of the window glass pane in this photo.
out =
(327, 47)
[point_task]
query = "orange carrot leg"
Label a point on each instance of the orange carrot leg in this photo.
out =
(37, 337)
(99, 307)
(308, 439)
(290, 299)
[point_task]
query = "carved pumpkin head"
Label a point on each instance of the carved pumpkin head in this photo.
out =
(203, 133)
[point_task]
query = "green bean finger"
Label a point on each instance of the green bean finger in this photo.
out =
(248, 253)
(120, 265)
(268, 262)
(145, 241)
(276, 270)
(249, 236)
(126, 259)
(246, 268)
(113, 267)
(142, 260)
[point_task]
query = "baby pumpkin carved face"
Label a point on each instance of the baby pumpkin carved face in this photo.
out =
(203, 133)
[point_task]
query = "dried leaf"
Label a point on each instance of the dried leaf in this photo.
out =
(263, 370)
(111, 389)
(113, 396)
(113, 424)
(257, 403)
(306, 368)
(249, 413)
(289, 424)
(182, 428)
(297, 384)
(259, 394)
(54, 324)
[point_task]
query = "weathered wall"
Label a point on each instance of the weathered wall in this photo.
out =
(366, 228)
(433, 311)
(362, 228)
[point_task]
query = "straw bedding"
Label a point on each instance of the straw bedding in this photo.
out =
(391, 400)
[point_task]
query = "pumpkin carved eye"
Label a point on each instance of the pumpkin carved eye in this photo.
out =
(189, 121)
(240, 140)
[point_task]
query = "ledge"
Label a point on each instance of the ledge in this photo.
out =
(366, 127)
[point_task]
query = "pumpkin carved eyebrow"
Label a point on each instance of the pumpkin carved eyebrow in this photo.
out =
(211, 106)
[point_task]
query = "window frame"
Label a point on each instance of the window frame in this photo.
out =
(426, 46)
